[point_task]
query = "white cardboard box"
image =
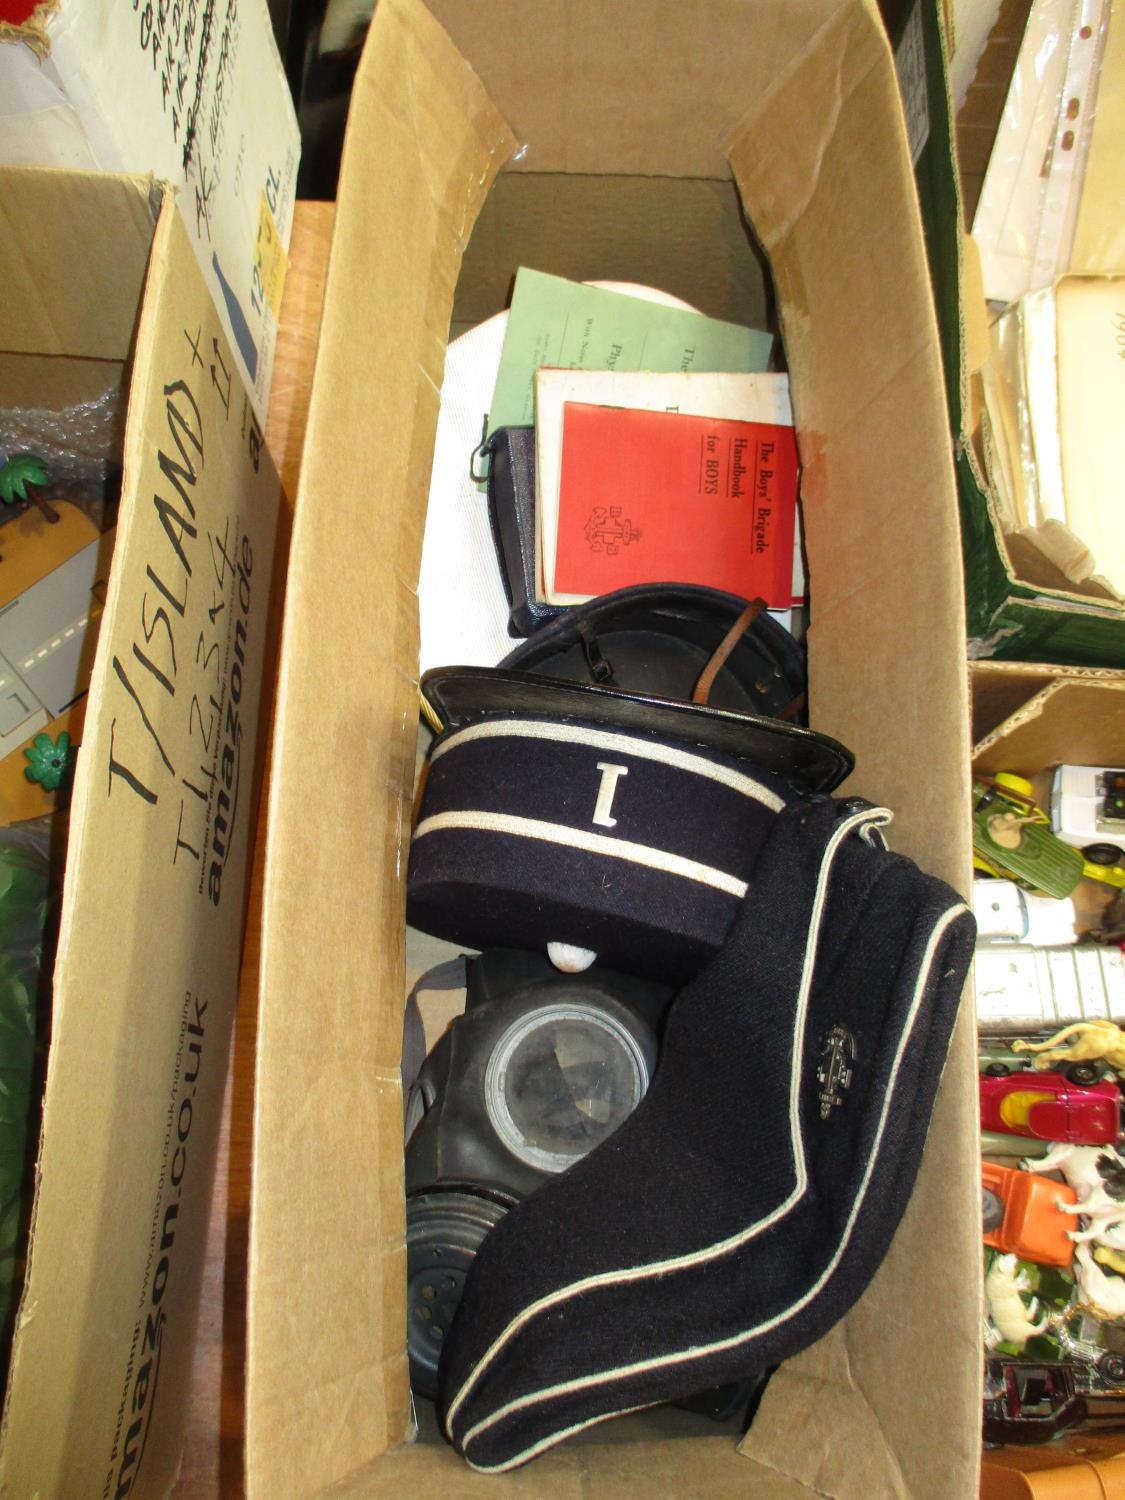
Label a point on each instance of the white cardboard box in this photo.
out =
(193, 91)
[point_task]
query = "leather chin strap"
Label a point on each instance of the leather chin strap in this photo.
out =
(706, 680)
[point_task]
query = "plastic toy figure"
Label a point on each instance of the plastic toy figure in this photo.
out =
(1050, 1107)
(1097, 1177)
(1102, 1295)
(1004, 1286)
(1084, 1041)
(1089, 1170)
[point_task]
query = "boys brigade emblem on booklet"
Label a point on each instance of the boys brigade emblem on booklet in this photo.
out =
(608, 531)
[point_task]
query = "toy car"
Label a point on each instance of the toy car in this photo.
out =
(1098, 1371)
(1023, 991)
(1051, 1108)
(1029, 1401)
(997, 1060)
(1008, 914)
(1021, 1215)
(1012, 839)
(1088, 811)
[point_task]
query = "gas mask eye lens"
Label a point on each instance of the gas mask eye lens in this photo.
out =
(561, 1079)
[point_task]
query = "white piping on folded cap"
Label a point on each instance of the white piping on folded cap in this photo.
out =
(603, 1377)
(606, 739)
(589, 843)
(877, 816)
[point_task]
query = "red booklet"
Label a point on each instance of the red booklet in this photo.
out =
(660, 497)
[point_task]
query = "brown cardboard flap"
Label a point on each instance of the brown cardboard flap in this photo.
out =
(670, 80)
(1077, 722)
(328, 1108)
(36, 381)
(146, 978)
(1000, 687)
(689, 218)
(655, 1455)
(85, 304)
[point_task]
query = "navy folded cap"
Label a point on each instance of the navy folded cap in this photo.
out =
(746, 1203)
(617, 815)
(634, 845)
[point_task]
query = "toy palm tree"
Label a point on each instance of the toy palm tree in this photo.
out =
(21, 473)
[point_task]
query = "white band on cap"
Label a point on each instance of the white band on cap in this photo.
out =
(589, 843)
(607, 739)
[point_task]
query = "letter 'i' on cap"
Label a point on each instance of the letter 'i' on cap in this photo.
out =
(545, 833)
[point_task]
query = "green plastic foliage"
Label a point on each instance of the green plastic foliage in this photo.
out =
(20, 470)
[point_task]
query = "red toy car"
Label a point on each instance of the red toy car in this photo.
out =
(1051, 1108)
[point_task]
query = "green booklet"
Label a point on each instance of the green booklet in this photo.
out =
(569, 325)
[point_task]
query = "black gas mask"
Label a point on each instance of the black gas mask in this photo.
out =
(541, 1068)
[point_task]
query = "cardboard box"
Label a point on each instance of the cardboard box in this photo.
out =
(1027, 719)
(1022, 602)
(623, 147)
(1070, 718)
(1010, 692)
(194, 91)
(104, 294)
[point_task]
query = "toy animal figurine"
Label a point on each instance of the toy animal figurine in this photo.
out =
(1105, 1224)
(1003, 1288)
(1106, 1227)
(1113, 1258)
(1097, 1175)
(1092, 1041)
(1088, 1170)
(1102, 1295)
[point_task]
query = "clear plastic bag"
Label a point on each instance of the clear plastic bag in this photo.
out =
(80, 447)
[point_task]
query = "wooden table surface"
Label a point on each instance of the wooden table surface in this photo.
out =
(212, 1464)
